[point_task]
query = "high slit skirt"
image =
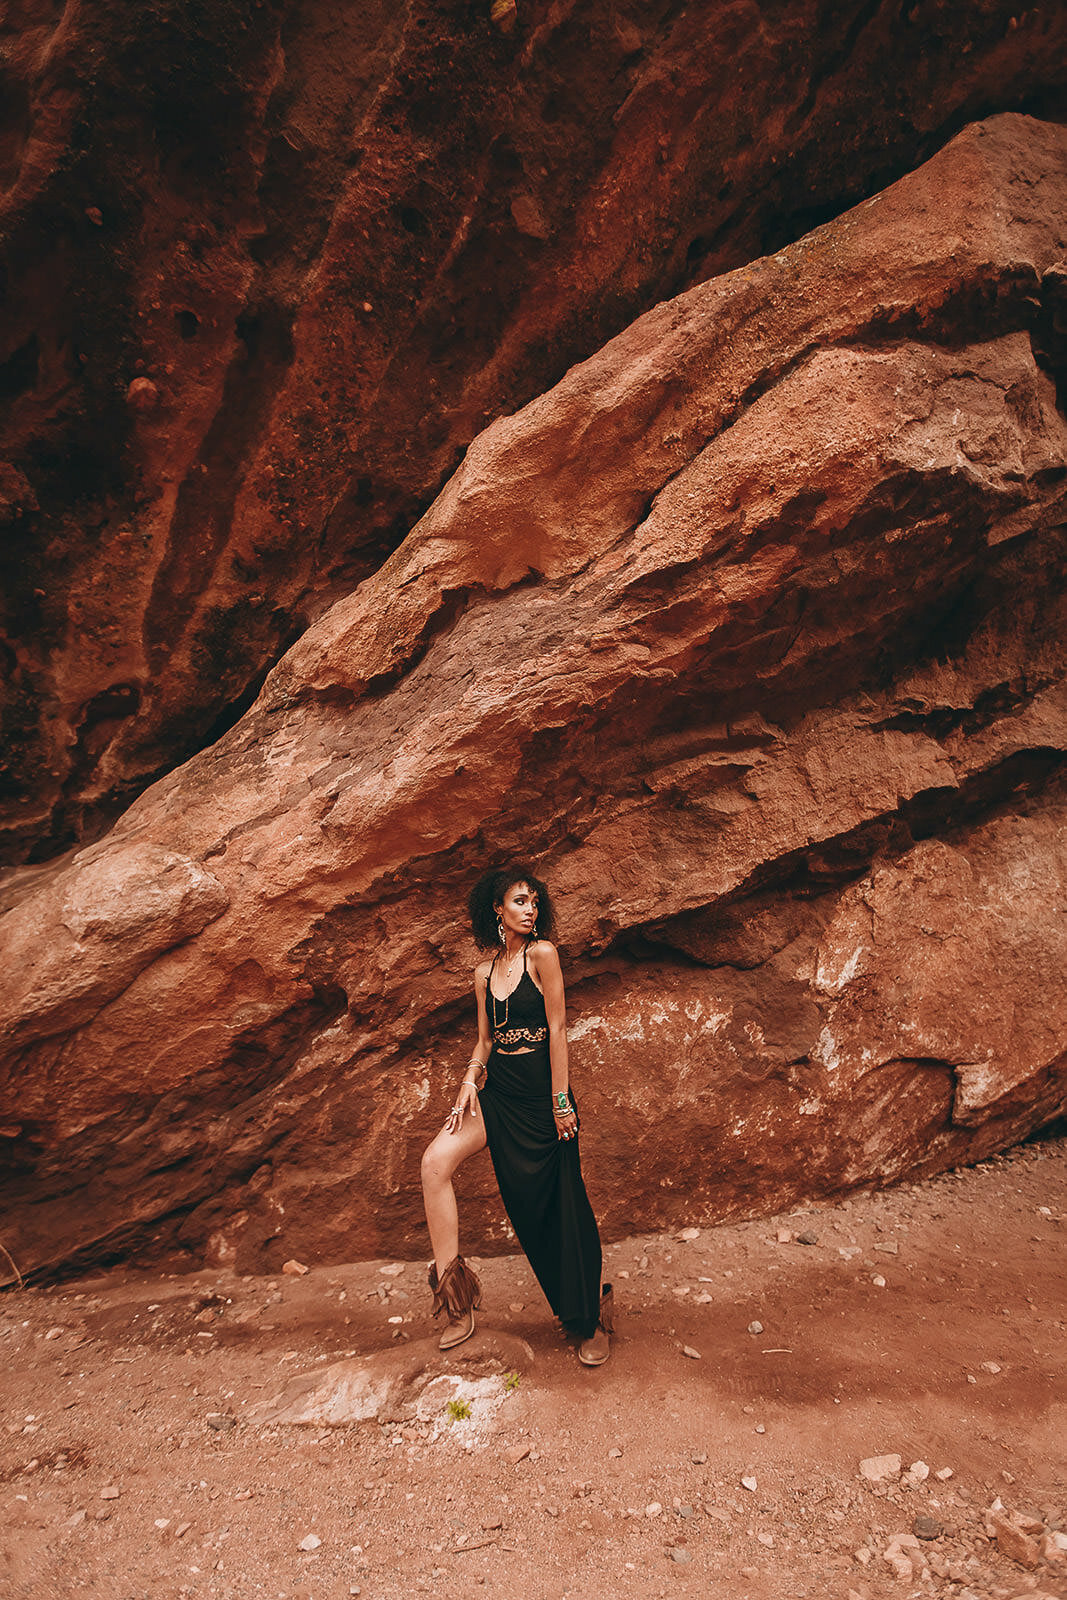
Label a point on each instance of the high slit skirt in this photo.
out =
(541, 1185)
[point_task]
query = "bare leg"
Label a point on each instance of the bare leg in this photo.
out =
(439, 1165)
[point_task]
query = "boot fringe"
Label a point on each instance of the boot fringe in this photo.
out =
(457, 1291)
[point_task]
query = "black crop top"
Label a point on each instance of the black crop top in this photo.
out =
(521, 1020)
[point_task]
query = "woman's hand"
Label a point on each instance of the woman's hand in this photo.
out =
(566, 1124)
(466, 1103)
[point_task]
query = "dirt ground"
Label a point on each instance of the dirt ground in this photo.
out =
(716, 1455)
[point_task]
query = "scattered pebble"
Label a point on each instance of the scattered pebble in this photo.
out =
(878, 1281)
(750, 1483)
(653, 1509)
(110, 1493)
(926, 1528)
(295, 1269)
(876, 1469)
(755, 1327)
(807, 1237)
(680, 1554)
(310, 1541)
(689, 1234)
(694, 1355)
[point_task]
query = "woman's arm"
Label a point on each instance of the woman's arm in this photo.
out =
(549, 975)
(467, 1097)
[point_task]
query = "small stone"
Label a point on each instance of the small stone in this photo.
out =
(766, 1539)
(749, 1572)
(54, 1333)
(221, 1421)
(110, 1493)
(182, 1529)
(103, 1514)
(878, 1281)
(689, 1234)
(502, 14)
(694, 1355)
(876, 1469)
(990, 1366)
(295, 1269)
(393, 1270)
(161, 1523)
(698, 1460)
(395, 1321)
(759, 1428)
(1012, 1541)
(517, 1305)
(680, 1554)
(653, 1509)
(614, 1453)
(807, 1237)
(310, 1541)
(95, 215)
(784, 1236)
(926, 1528)
(750, 1483)
(943, 1474)
(1054, 1547)
(142, 395)
(755, 1327)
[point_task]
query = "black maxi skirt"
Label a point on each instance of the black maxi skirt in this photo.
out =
(541, 1185)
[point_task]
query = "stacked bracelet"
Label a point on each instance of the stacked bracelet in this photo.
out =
(561, 1104)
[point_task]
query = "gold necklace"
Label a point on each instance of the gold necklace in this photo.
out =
(500, 1027)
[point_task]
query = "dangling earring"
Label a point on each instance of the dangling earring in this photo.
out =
(500, 933)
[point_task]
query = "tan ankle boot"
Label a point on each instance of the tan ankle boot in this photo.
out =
(458, 1293)
(594, 1351)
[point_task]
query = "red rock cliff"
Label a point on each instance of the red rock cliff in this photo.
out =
(751, 630)
(269, 269)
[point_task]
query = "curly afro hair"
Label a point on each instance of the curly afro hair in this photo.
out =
(490, 890)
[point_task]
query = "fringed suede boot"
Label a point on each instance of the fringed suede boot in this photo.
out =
(594, 1351)
(458, 1293)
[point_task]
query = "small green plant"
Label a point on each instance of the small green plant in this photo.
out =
(458, 1410)
(511, 1382)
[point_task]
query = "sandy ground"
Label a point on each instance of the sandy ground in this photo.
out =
(717, 1454)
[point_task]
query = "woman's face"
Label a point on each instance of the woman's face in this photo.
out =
(518, 910)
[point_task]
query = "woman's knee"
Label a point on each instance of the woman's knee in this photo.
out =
(436, 1167)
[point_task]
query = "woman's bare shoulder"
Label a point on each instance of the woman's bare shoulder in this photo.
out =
(543, 952)
(482, 970)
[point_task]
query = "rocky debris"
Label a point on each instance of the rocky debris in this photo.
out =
(788, 547)
(905, 1557)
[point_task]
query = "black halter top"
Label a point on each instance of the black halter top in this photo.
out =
(521, 1020)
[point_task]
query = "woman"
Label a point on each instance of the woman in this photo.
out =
(515, 1097)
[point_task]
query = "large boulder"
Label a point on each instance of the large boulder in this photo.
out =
(751, 631)
(267, 270)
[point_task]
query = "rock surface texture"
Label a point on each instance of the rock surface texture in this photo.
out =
(751, 631)
(269, 269)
